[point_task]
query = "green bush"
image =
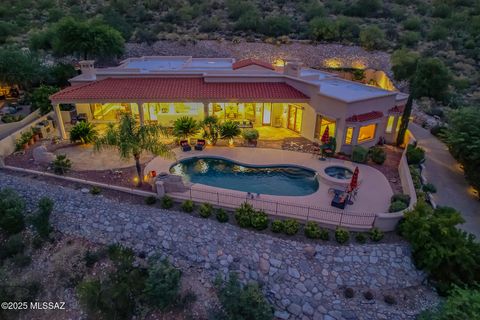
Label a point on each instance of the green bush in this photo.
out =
(405, 198)
(259, 220)
(416, 177)
(448, 254)
(342, 235)
(378, 155)
(222, 215)
(324, 234)
(359, 154)
(206, 210)
(376, 234)
(84, 132)
(438, 131)
(415, 155)
(397, 206)
(277, 226)
(162, 285)
(150, 200)
(245, 302)
(12, 208)
(429, 187)
(185, 127)
(372, 38)
(188, 206)
(243, 215)
(41, 221)
(250, 134)
(312, 230)
(95, 190)
(61, 164)
(14, 245)
(291, 227)
(166, 202)
(360, 238)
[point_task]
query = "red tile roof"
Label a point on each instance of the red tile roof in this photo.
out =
(397, 109)
(176, 89)
(365, 116)
(248, 62)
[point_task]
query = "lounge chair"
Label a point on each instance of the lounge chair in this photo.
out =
(200, 145)
(185, 146)
(340, 200)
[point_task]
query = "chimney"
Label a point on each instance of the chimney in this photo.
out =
(293, 67)
(87, 68)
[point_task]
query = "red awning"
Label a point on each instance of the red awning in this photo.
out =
(162, 89)
(365, 116)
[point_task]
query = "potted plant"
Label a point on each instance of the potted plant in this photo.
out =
(36, 134)
(251, 137)
(229, 130)
(185, 127)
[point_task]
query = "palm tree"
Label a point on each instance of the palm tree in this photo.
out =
(131, 139)
(210, 129)
(229, 130)
(185, 127)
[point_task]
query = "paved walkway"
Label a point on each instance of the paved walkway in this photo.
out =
(445, 173)
(373, 196)
(302, 280)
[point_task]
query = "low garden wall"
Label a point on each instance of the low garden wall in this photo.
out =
(7, 128)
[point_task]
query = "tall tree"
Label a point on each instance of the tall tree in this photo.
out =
(131, 140)
(20, 67)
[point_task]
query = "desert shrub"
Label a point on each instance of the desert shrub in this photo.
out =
(61, 164)
(41, 221)
(250, 134)
(83, 132)
(162, 285)
(245, 302)
(188, 206)
(360, 238)
(412, 23)
(378, 155)
(122, 257)
(324, 234)
(389, 299)
(349, 293)
(438, 131)
(397, 206)
(12, 208)
(416, 176)
(290, 226)
(69, 264)
(92, 257)
(150, 200)
(259, 220)
(368, 295)
(243, 215)
(166, 202)
(277, 226)
(95, 190)
(448, 254)
(359, 154)
(415, 155)
(405, 198)
(376, 234)
(312, 230)
(372, 38)
(222, 215)
(342, 235)
(206, 210)
(429, 187)
(12, 246)
(462, 303)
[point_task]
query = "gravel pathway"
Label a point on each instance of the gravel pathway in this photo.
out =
(302, 281)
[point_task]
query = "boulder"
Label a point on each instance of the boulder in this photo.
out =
(42, 156)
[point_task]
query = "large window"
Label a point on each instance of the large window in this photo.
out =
(390, 121)
(348, 135)
(112, 111)
(366, 133)
(321, 125)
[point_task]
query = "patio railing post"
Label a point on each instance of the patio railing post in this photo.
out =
(341, 218)
(276, 208)
(218, 199)
(308, 213)
(190, 193)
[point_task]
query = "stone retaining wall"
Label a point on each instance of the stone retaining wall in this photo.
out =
(302, 281)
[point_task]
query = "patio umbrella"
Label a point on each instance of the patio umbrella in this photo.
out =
(325, 136)
(354, 181)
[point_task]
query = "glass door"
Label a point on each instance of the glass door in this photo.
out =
(295, 118)
(267, 114)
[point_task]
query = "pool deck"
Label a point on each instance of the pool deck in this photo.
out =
(373, 195)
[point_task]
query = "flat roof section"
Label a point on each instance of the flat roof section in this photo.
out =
(350, 91)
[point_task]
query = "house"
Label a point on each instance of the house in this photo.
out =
(291, 98)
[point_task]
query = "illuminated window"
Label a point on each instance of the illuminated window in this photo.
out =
(390, 124)
(348, 135)
(111, 111)
(367, 133)
(322, 124)
(399, 122)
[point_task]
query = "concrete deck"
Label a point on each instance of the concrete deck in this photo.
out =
(373, 196)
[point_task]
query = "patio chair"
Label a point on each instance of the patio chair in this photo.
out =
(185, 146)
(200, 145)
(340, 200)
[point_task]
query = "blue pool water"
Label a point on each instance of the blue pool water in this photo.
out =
(273, 180)
(339, 172)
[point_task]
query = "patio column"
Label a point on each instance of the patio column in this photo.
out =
(141, 113)
(205, 109)
(60, 125)
(356, 130)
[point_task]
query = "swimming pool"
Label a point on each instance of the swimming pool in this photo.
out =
(339, 172)
(223, 173)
